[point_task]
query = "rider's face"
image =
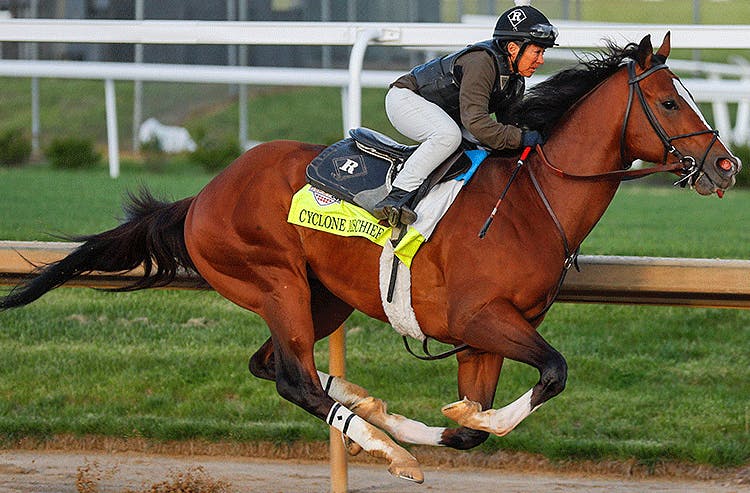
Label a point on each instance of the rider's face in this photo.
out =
(531, 59)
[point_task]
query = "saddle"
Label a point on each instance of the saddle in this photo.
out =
(360, 169)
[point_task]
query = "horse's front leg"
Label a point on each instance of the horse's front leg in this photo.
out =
(478, 373)
(298, 382)
(501, 330)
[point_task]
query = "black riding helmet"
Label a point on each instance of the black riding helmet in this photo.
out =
(527, 25)
(523, 25)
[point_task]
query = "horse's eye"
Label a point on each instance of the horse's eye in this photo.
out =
(670, 104)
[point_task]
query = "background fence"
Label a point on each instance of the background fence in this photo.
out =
(720, 92)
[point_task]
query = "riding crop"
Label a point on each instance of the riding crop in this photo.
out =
(519, 164)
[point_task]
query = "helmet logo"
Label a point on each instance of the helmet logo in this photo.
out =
(516, 17)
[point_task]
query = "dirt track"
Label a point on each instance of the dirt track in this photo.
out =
(48, 471)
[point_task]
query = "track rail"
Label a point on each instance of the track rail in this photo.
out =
(711, 283)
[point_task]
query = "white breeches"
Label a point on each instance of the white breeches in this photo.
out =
(425, 122)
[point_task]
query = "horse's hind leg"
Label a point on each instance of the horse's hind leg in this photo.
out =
(478, 373)
(297, 380)
(329, 312)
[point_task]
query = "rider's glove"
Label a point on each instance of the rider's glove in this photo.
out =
(530, 138)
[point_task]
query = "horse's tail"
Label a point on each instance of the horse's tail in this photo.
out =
(152, 235)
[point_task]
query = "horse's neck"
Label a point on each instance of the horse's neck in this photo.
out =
(587, 142)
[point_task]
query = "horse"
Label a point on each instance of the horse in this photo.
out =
(599, 116)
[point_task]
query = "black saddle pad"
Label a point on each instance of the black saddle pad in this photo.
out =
(346, 172)
(360, 169)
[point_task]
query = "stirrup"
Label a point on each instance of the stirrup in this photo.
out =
(400, 215)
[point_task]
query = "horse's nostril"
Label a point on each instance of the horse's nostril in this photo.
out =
(725, 164)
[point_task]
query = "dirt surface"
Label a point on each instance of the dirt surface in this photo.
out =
(50, 470)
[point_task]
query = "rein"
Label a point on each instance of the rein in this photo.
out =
(689, 173)
(618, 175)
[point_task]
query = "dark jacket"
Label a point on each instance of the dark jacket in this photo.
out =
(470, 85)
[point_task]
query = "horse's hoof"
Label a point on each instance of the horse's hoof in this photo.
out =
(409, 472)
(352, 447)
(461, 411)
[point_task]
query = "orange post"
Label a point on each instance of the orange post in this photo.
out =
(337, 368)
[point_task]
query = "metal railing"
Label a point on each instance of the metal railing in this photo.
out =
(357, 35)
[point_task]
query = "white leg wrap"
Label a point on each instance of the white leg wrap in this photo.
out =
(375, 442)
(358, 430)
(347, 422)
(399, 427)
(341, 390)
(408, 430)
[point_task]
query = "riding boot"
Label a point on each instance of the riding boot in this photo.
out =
(394, 208)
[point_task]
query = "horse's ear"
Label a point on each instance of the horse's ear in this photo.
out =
(666, 46)
(645, 52)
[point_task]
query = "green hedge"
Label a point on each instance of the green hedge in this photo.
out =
(15, 147)
(72, 153)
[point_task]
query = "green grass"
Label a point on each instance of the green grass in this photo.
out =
(672, 222)
(38, 203)
(650, 383)
(76, 108)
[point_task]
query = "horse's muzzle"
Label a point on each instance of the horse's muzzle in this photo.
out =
(719, 177)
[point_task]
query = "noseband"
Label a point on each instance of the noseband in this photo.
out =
(691, 168)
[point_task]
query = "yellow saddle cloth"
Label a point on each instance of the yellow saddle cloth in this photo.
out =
(313, 208)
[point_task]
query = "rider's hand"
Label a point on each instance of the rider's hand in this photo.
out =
(530, 138)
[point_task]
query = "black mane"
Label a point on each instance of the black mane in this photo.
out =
(545, 103)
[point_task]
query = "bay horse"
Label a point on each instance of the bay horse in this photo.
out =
(599, 116)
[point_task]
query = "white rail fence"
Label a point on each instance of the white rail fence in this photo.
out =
(720, 92)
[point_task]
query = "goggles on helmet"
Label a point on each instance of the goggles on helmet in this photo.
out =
(545, 32)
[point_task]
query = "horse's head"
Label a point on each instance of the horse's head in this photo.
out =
(663, 124)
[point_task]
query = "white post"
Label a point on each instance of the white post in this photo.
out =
(231, 49)
(113, 149)
(353, 116)
(742, 121)
(35, 117)
(742, 125)
(345, 109)
(242, 97)
(137, 84)
(325, 16)
(722, 122)
(35, 112)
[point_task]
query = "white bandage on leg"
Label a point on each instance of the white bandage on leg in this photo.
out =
(374, 411)
(352, 426)
(375, 442)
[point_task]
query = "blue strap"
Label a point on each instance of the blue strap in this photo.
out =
(476, 156)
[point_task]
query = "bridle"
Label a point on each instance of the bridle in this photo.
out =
(691, 167)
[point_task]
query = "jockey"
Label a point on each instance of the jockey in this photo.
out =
(453, 96)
